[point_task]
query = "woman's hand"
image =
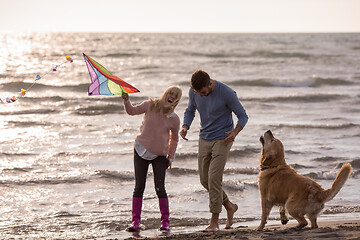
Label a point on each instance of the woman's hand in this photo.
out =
(125, 96)
(169, 164)
(183, 132)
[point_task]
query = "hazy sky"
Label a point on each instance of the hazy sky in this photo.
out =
(180, 15)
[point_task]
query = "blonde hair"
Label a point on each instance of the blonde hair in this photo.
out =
(157, 105)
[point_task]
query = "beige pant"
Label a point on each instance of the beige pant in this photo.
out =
(212, 159)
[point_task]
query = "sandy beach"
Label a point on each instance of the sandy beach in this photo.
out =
(340, 229)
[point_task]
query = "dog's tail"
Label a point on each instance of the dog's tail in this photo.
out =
(340, 180)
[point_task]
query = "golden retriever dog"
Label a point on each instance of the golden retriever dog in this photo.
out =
(280, 185)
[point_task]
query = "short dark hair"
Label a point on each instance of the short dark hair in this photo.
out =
(200, 79)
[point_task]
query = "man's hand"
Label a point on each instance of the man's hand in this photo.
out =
(183, 132)
(231, 137)
(232, 134)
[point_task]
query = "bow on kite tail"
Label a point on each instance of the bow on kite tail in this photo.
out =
(103, 82)
(38, 77)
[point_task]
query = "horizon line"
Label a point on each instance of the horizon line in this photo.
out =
(184, 32)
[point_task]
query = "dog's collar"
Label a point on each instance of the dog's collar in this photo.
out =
(264, 168)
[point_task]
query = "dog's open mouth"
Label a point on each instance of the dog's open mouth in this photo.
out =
(170, 101)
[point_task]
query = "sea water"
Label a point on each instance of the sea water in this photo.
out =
(66, 160)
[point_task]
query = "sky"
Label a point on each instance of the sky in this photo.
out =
(249, 16)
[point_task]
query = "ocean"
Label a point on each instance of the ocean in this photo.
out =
(66, 160)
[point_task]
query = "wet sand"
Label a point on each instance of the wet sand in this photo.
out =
(345, 229)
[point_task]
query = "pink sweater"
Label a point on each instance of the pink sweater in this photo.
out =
(159, 133)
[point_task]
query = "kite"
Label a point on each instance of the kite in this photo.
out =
(103, 82)
(38, 77)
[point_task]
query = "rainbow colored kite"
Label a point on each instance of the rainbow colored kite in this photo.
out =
(100, 84)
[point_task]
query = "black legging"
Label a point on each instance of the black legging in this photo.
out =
(159, 166)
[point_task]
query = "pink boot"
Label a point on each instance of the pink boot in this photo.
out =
(164, 209)
(136, 213)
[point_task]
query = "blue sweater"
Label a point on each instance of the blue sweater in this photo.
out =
(215, 112)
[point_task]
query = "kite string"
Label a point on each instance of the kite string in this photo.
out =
(38, 77)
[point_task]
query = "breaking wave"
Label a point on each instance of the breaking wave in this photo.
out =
(306, 98)
(342, 209)
(44, 181)
(313, 82)
(114, 175)
(317, 126)
(15, 86)
(237, 185)
(99, 109)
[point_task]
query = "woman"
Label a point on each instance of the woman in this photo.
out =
(156, 145)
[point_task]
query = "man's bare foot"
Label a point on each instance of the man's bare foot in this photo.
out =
(230, 209)
(214, 223)
(211, 229)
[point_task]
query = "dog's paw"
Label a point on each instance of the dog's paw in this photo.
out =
(260, 228)
(284, 221)
(301, 225)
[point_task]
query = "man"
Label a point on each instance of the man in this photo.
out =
(215, 103)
